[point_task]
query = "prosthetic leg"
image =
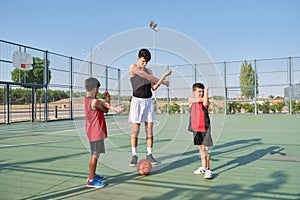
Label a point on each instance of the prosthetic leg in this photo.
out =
(207, 158)
(208, 173)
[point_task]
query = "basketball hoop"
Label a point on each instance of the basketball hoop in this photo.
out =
(22, 60)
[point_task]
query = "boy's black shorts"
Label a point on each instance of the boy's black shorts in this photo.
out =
(203, 138)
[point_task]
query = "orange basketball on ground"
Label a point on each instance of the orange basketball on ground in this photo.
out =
(144, 167)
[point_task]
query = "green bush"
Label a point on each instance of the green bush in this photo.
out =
(273, 108)
(279, 106)
(231, 107)
(21, 96)
(174, 108)
(239, 107)
(249, 107)
(265, 107)
(297, 107)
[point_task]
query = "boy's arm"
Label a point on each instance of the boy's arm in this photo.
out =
(118, 109)
(205, 97)
(109, 106)
(162, 81)
(205, 100)
(195, 100)
(99, 104)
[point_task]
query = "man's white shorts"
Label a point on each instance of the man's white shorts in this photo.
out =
(141, 110)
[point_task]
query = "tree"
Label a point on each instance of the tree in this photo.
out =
(247, 80)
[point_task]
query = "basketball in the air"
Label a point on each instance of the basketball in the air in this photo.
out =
(144, 167)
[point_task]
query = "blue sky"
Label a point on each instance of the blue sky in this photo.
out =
(227, 30)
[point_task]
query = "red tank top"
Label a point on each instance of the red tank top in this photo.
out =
(95, 124)
(199, 118)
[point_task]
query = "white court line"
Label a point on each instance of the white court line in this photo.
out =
(46, 133)
(34, 134)
(29, 144)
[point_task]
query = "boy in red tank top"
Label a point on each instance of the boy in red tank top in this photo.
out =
(96, 130)
(200, 126)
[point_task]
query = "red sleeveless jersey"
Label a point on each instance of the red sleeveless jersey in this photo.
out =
(95, 124)
(199, 118)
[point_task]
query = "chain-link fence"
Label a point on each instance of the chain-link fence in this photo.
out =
(49, 91)
(57, 89)
(276, 89)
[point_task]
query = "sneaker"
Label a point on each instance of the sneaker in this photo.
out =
(200, 170)
(95, 183)
(208, 174)
(98, 177)
(133, 161)
(151, 159)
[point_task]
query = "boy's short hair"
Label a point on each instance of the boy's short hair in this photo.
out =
(146, 54)
(91, 83)
(198, 85)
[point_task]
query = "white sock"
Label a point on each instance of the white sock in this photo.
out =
(133, 150)
(149, 150)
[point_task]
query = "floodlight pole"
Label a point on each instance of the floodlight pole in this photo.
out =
(91, 62)
(91, 59)
(154, 27)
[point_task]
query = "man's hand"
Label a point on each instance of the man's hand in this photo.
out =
(166, 83)
(169, 72)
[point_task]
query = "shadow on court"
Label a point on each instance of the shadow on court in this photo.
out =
(61, 194)
(38, 161)
(243, 160)
(248, 158)
(184, 159)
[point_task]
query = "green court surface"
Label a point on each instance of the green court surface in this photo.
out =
(255, 157)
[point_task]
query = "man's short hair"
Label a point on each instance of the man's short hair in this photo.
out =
(198, 85)
(146, 54)
(91, 83)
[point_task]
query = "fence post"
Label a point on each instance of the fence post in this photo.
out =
(32, 104)
(7, 113)
(255, 87)
(168, 93)
(55, 111)
(119, 86)
(225, 88)
(71, 87)
(46, 82)
(290, 83)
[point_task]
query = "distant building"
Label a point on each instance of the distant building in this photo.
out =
(295, 89)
